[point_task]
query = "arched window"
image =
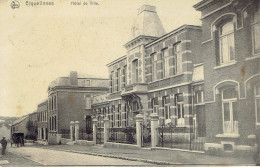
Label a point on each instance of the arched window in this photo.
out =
(135, 71)
(166, 64)
(256, 31)
(226, 42)
(257, 103)
(55, 102)
(154, 66)
(229, 110)
(177, 59)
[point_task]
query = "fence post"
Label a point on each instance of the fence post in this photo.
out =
(71, 130)
(154, 129)
(139, 124)
(95, 130)
(106, 129)
(76, 130)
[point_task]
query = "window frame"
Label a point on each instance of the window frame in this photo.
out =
(166, 59)
(154, 60)
(230, 102)
(226, 36)
(253, 25)
(178, 58)
(182, 110)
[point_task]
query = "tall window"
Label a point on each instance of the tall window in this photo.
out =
(55, 102)
(256, 31)
(118, 79)
(257, 103)
(180, 109)
(112, 81)
(88, 102)
(229, 110)
(226, 42)
(177, 59)
(165, 56)
(154, 104)
(154, 66)
(198, 97)
(166, 107)
(135, 70)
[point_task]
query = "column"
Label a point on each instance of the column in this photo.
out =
(76, 130)
(95, 130)
(154, 129)
(106, 129)
(71, 130)
(44, 133)
(139, 124)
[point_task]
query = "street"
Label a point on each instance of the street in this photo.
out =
(52, 157)
(11, 159)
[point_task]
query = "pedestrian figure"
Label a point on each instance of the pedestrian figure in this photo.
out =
(3, 143)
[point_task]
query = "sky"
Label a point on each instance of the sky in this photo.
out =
(41, 43)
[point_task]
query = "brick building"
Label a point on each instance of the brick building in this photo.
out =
(231, 58)
(158, 74)
(42, 125)
(69, 99)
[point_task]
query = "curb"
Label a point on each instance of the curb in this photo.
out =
(117, 157)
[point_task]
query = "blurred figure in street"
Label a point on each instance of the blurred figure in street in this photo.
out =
(4, 144)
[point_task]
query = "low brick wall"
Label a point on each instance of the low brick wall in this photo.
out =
(120, 145)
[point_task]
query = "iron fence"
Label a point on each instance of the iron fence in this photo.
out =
(100, 135)
(122, 135)
(180, 137)
(84, 135)
(65, 133)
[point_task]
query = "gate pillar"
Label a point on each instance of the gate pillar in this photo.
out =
(139, 126)
(95, 130)
(154, 129)
(106, 129)
(76, 130)
(71, 130)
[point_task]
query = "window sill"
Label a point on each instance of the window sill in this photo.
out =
(256, 56)
(199, 104)
(166, 78)
(225, 65)
(228, 135)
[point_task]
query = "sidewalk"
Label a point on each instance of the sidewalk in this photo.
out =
(167, 157)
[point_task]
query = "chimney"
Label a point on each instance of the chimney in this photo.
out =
(73, 78)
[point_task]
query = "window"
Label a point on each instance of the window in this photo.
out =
(135, 70)
(177, 59)
(226, 42)
(154, 66)
(257, 103)
(180, 109)
(229, 110)
(256, 31)
(154, 104)
(55, 101)
(118, 80)
(87, 83)
(111, 82)
(198, 97)
(166, 107)
(165, 56)
(88, 102)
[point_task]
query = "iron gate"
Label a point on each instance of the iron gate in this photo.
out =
(180, 137)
